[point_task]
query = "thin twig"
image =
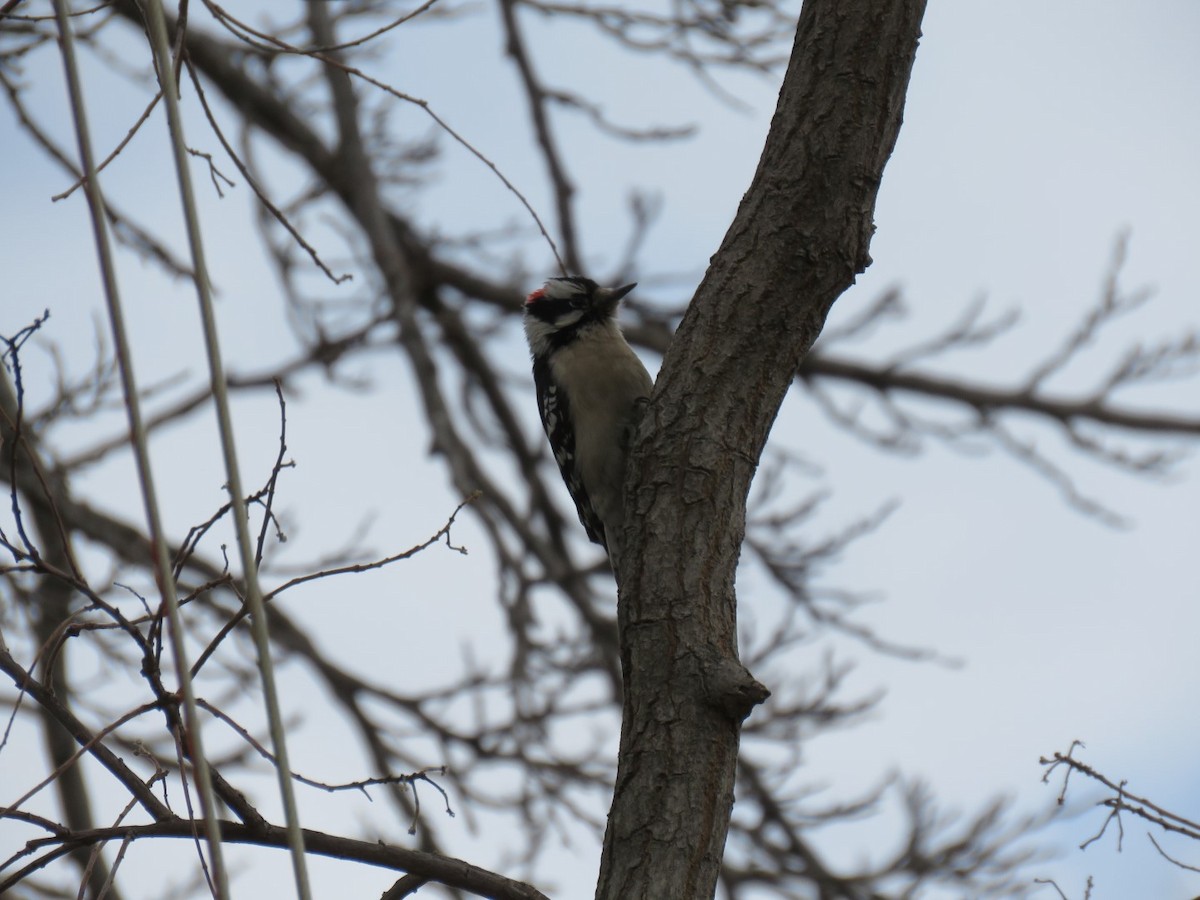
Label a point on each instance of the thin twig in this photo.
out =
(121, 146)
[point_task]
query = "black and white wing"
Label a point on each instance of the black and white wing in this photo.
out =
(556, 420)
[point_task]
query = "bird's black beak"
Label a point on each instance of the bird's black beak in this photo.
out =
(618, 293)
(608, 298)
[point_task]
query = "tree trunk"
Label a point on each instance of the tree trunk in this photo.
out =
(799, 239)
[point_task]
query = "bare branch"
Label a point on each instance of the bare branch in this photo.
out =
(444, 870)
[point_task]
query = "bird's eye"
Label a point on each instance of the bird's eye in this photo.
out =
(579, 301)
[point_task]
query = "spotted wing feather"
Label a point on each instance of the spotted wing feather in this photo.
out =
(556, 420)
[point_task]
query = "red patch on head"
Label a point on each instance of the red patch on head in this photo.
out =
(535, 296)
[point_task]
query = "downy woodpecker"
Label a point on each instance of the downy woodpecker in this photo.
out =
(591, 390)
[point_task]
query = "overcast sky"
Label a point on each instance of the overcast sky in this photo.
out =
(1035, 134)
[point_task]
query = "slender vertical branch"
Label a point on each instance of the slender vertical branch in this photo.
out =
(137, 430)
(160, 46)
(559, 180)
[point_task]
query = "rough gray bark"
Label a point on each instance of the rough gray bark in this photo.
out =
(798, 241)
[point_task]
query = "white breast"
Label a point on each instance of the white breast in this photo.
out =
(605, 381)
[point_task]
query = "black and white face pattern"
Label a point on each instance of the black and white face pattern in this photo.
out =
(559, 306)
(556, 312)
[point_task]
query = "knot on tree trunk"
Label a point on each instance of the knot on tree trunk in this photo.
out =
(730, 688)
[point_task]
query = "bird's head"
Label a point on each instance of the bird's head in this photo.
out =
(572, 301)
